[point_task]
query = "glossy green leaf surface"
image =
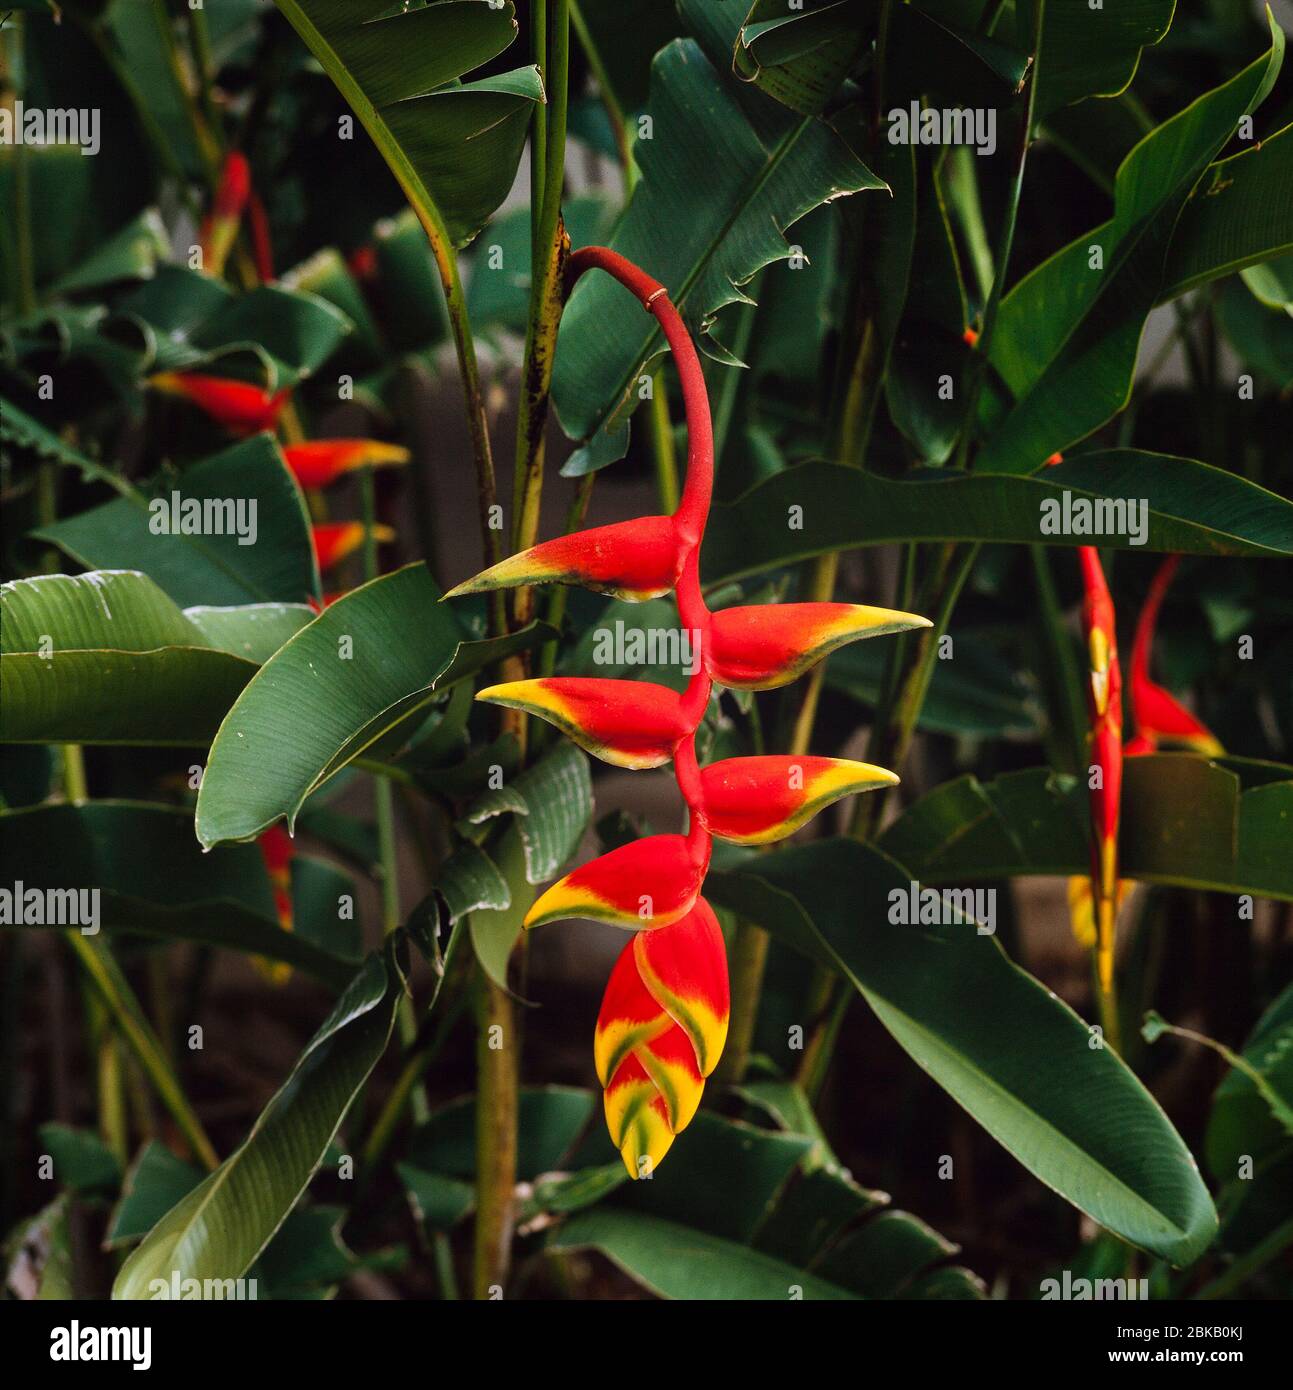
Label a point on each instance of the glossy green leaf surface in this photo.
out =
(1190, 508)
(452, 145)
(231, 529)
(368, 661)
(1003, 1046)
(218, 1229)
(1185, 820)
(107, 657)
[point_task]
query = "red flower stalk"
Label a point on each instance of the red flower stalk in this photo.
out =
(664, 1017)
(220, 229)
(323, 461)
(1159, 716)
(242, 408)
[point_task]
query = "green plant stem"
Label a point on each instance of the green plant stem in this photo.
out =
(538, 134)
(496, 1114)
(614, 111)
(24, 260)
(74, 784)
(663, 453)
(203, 69)
(207, 145)
(106, 977)
(1005, 243)
(748, 960)
(549, 243)
(384, 804)
(113, 1124)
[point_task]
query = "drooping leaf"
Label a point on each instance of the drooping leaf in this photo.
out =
(453, 146)
(261, 554)
(154, 880)
(106, 657)
(1241, 214)
(1003, 1046)
(738, 1212)
(552, 801)
(372, 659)
(1067, 334)
(218, 1229)
(1190, 508)
(1085, 52)
(718, 190)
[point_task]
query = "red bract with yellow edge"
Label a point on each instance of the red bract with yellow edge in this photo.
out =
(237, 405)
(664, 1017)
(323, 461)
(335, 540)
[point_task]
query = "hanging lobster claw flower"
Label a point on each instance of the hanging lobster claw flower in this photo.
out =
(764, 646)
(239, 406)
(757, 800)
(1159, 715)
(660, 1032)
(632, 724)
(684, 967)
(648, 883)
(335, 540)
(633, 560)
(220, 229)
(323, 461)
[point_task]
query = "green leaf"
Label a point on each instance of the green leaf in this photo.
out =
(369, 661)
(154, 879)
(1186, 821)
(218, 1229)
(552, 801)
(133, 253)
(717, 192)
(496, 924)
(250, 541)
(82, 1161)
(1084, 52)
(188, 320)
(438, 1201)
(107, 657)
(737, 1212)
(1191, 508)
(1005, 1048)
(1241, 214)
(470, 881)
(1067, 335)
(1262, 336)
(155, 1182)
(453, 146)
(799, 56)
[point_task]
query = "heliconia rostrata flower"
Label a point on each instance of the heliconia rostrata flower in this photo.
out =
(1159, 718)
(664, 1017)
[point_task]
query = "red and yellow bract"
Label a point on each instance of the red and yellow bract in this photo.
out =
(239, 406)
(664, 1017)
(322, 461)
